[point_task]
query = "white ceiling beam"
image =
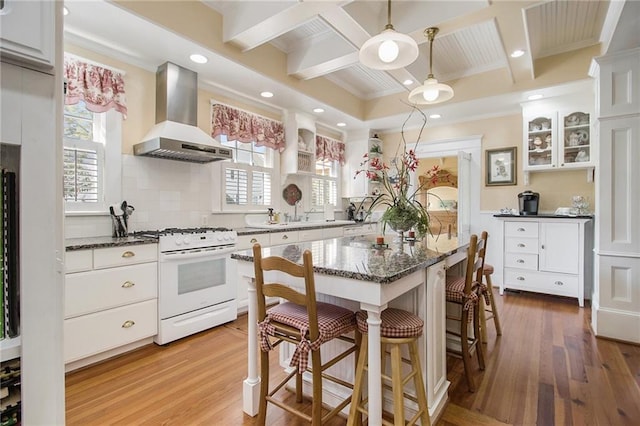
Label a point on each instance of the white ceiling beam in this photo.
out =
(329, 54)
(248, 33)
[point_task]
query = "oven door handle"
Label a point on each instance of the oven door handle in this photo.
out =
(178, 256)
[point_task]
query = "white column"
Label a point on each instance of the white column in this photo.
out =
(375, 368)
(251, 385)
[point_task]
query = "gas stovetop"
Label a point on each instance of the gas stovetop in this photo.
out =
(178, 231)
(190, 238)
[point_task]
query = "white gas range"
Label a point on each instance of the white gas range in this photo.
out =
(196, 288)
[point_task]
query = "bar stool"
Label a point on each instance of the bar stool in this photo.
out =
(489, 312)
(398, 328)
(466, 291)
(306, 323)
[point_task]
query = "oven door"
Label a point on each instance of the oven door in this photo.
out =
(191, 281)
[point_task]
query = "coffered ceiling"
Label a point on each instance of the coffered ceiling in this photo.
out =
(320, 40)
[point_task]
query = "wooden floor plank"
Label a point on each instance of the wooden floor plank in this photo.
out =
(546, 368)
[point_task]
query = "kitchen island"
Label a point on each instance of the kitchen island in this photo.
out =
(353, 272)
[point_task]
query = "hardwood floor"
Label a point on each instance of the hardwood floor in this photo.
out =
(546, 369)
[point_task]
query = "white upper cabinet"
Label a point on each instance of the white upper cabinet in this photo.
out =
(540, 138)
(558, 133)
(25, 33)
(576, 139)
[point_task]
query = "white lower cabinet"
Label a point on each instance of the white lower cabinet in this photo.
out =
(111, 301)
(548, 255)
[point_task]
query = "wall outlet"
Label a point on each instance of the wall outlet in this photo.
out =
(204, 220)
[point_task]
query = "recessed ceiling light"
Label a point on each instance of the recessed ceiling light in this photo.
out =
(266, 94)
(341, 124)
(534, 97)
(435, 116)
(199, 59)
(517, 53)
(318, 110)
(407, 82)
(65, 11)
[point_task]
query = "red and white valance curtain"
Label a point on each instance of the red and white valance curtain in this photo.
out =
(101, 88)
(246, 127)
(329, 149)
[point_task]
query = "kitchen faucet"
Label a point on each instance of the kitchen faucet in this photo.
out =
(359, 210)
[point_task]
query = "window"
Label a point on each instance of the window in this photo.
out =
(247, 180)
(324, 186)
(91, 140)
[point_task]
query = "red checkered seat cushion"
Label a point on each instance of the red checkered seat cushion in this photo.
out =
(395, 323)
(333, 321)
(454, 292)
(487, 269)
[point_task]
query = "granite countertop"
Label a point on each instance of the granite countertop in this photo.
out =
(72, 244)
(545, 216)
(101, 242)
(357, 258)
(296, 226)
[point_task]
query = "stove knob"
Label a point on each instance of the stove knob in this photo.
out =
(219, 236)
(178, 241)
(227, 237)
(187, 240)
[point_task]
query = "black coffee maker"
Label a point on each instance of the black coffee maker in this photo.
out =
(528, 202)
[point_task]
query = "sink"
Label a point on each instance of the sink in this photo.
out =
(310, 224)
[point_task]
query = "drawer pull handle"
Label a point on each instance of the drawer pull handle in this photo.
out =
(128, 284)
(128, 254)
(542, 246)
(520, 278)
(521, 245)
(284, 237)
(559, 283)
(253, 241)
(128, 324)
(520, 260)
(520, 229)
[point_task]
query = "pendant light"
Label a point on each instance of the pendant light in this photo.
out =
(431, 92)
(390, 49)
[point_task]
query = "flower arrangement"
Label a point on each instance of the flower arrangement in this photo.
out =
(404, 210)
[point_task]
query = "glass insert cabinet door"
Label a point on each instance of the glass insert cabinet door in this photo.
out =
(540, 142)
(576, 139)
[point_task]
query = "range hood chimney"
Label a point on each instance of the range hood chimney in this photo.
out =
(176, 135)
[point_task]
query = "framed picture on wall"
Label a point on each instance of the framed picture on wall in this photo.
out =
(501, 166)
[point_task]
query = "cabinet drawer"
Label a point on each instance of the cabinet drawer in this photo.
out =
(521, 245)
(521, 229)
(93, 291)
(94, 333)
(310, 235)
(332, 233)
(77, 261)
(283, 238)
(521, 260)
(127, 255)
(245, 242)
(542, 282)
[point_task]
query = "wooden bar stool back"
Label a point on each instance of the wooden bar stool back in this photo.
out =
(398, 328)
(466, 291)
(306, 323)
(488, 311)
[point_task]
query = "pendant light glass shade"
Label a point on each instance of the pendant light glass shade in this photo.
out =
(431, 92)
(388, 50)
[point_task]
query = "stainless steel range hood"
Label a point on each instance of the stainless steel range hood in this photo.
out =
(176, 135)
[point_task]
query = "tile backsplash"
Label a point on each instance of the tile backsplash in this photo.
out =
(165, 193)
